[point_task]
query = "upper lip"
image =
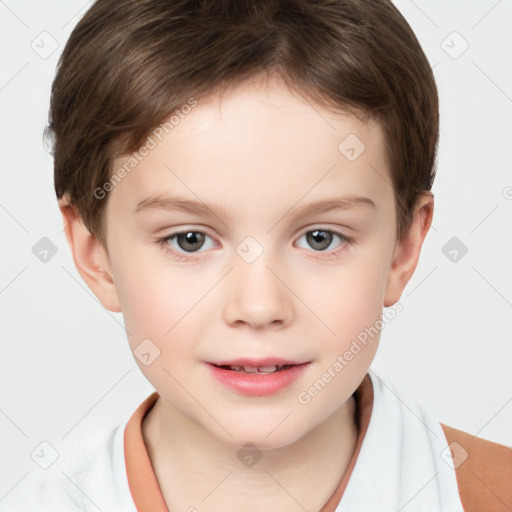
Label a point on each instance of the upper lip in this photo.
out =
(264, 361)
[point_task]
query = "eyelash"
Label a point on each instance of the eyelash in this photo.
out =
(163, 243)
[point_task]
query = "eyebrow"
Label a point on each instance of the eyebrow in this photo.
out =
(171, 203)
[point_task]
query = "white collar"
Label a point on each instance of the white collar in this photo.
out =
(403, 464)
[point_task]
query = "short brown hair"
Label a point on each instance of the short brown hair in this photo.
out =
(129, 64)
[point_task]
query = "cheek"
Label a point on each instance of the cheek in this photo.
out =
(149, 305)
(163, 305)
(350, 296)
(158, 299)
(350, 307)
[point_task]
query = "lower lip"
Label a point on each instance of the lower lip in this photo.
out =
(258, 384)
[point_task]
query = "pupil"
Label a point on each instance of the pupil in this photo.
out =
(191, 237)
(322, 236)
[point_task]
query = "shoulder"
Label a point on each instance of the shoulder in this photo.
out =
(483, 470)
(87, 476)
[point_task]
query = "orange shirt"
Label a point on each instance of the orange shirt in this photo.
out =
(484, 478)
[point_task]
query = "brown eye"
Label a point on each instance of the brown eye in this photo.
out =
(190, 241)
(322, 239)
(185, 244)
(319, 239)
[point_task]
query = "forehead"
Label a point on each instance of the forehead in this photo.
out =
(258, 140)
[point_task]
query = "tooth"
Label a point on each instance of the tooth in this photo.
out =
(255, 369)
(267, 369)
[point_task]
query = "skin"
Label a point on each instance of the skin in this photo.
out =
(261, 152)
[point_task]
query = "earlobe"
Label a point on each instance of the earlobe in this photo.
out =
(90, 257)
(407, 252)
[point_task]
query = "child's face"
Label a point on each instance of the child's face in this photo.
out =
(259, 283)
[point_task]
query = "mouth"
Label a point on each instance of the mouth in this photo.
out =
(257, 377)
(269, 364)
(256, 369)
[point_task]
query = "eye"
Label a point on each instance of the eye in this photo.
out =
(321, 240)
(184, 245)
(184, 242)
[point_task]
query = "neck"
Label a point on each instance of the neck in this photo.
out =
(191, 465)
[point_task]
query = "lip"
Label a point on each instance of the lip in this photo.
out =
(262, 361)
(258, 384)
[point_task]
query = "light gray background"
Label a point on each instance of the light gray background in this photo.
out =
(65, 364)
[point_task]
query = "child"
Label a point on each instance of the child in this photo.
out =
(257, 131)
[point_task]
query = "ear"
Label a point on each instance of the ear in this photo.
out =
(407, 252)
(90, 257)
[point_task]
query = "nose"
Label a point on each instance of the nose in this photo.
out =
(257, 295)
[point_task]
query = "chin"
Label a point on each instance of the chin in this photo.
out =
(260, 437)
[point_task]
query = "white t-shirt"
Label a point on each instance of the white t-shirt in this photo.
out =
(402, 464)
